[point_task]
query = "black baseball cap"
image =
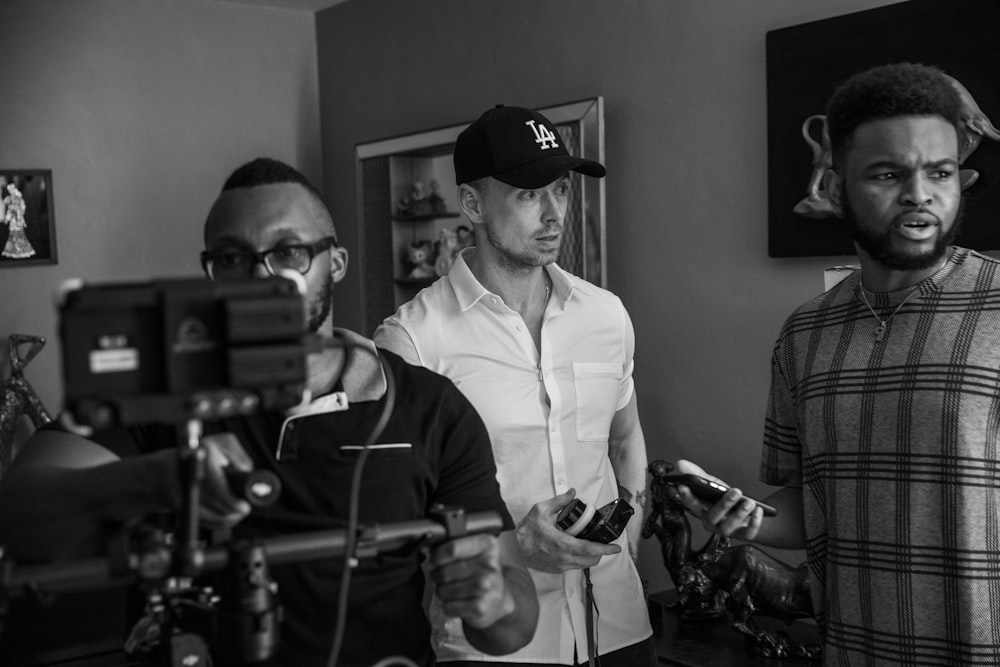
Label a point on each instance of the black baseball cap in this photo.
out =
(517, 146)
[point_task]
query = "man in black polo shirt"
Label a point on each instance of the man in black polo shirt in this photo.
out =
(63, 493)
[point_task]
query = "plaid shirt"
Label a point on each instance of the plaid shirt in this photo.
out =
(897, 445)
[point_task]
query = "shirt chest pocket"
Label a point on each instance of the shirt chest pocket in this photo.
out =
(596, 384)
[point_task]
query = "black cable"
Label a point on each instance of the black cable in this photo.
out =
(352, 513)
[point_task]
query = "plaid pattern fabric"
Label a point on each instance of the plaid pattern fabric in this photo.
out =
(896, 442)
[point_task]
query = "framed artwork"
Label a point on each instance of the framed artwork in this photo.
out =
(27, 218)
(805, 63)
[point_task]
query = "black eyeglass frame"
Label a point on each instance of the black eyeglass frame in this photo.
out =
(312, 249)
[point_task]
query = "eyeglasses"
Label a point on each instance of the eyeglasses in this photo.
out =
(231, 263)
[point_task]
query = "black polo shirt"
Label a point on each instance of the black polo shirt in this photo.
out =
(434, 449)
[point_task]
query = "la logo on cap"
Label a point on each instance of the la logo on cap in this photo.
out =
(543, 135)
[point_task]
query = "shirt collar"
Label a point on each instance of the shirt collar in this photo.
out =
(363, 378)
(468, 290)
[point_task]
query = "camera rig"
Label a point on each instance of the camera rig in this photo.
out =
(182, 351)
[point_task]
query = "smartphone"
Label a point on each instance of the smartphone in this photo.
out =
(710, 491)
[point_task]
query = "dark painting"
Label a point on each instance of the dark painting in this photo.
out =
(806, 62)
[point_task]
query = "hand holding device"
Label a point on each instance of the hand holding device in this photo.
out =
(602, 525)
(468, 579)
(547, 548)
(710, 491)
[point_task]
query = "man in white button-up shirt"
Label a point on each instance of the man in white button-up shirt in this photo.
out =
(546, 358)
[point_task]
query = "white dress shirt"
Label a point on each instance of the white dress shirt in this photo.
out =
(549, 417)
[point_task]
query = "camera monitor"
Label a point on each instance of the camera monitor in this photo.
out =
(170, 350)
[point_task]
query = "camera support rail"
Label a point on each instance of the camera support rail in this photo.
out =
(372, 539)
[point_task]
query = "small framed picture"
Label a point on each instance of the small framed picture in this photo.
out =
(27, 218)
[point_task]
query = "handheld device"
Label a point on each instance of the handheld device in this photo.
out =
(601, 525)
(709, 491)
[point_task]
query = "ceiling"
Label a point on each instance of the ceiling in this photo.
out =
(297, 5)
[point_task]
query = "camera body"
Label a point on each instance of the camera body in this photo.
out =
(602, 525)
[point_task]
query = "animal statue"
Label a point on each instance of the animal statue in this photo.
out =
(717, 578)
(17, 397)
(817, 203)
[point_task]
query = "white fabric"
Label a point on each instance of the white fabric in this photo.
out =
(549, 418)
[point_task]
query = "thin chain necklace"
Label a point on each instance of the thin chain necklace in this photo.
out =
(883, 324)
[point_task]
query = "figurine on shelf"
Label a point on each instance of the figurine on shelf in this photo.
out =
(465, 238)
(447, 247)
(420, 203)
(418, 256)
(434, 200)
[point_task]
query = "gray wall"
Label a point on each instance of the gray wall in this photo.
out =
(141, 110)
(684, 86)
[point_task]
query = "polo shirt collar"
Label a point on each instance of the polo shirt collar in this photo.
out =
(469, 291)
(363, 378)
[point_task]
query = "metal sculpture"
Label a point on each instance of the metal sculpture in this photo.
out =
(17, 397)
(719, 577)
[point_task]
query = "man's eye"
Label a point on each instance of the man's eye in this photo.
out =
(231, 260)
(529, 195)
(290, 253)
(884, 176)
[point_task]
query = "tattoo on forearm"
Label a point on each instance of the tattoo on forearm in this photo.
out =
(639, 496)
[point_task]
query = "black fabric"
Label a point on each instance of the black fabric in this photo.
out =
(450, 461)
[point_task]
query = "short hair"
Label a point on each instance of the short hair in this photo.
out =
(890, 91)
(268, 171)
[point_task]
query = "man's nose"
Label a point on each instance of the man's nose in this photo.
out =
(260, 270)
(553, 208)
(916, 191)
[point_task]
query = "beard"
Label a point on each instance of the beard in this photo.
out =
(878, 245)
(322, 305)
(513, 259)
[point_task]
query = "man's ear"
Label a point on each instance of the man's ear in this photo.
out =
(470, 201)
(834, 185)
(338, 263)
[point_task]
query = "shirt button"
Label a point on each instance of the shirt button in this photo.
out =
(520, 327)
(291, 427)
(554, 429)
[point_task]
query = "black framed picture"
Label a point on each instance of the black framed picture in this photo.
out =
(27, 218)
(805, 63)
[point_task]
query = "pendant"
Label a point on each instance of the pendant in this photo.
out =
(880, 332)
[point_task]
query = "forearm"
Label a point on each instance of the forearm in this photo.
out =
(635, 494)
(52, 513)
(516, 628)
(627, 453)
(630, 470)
(787, 529)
